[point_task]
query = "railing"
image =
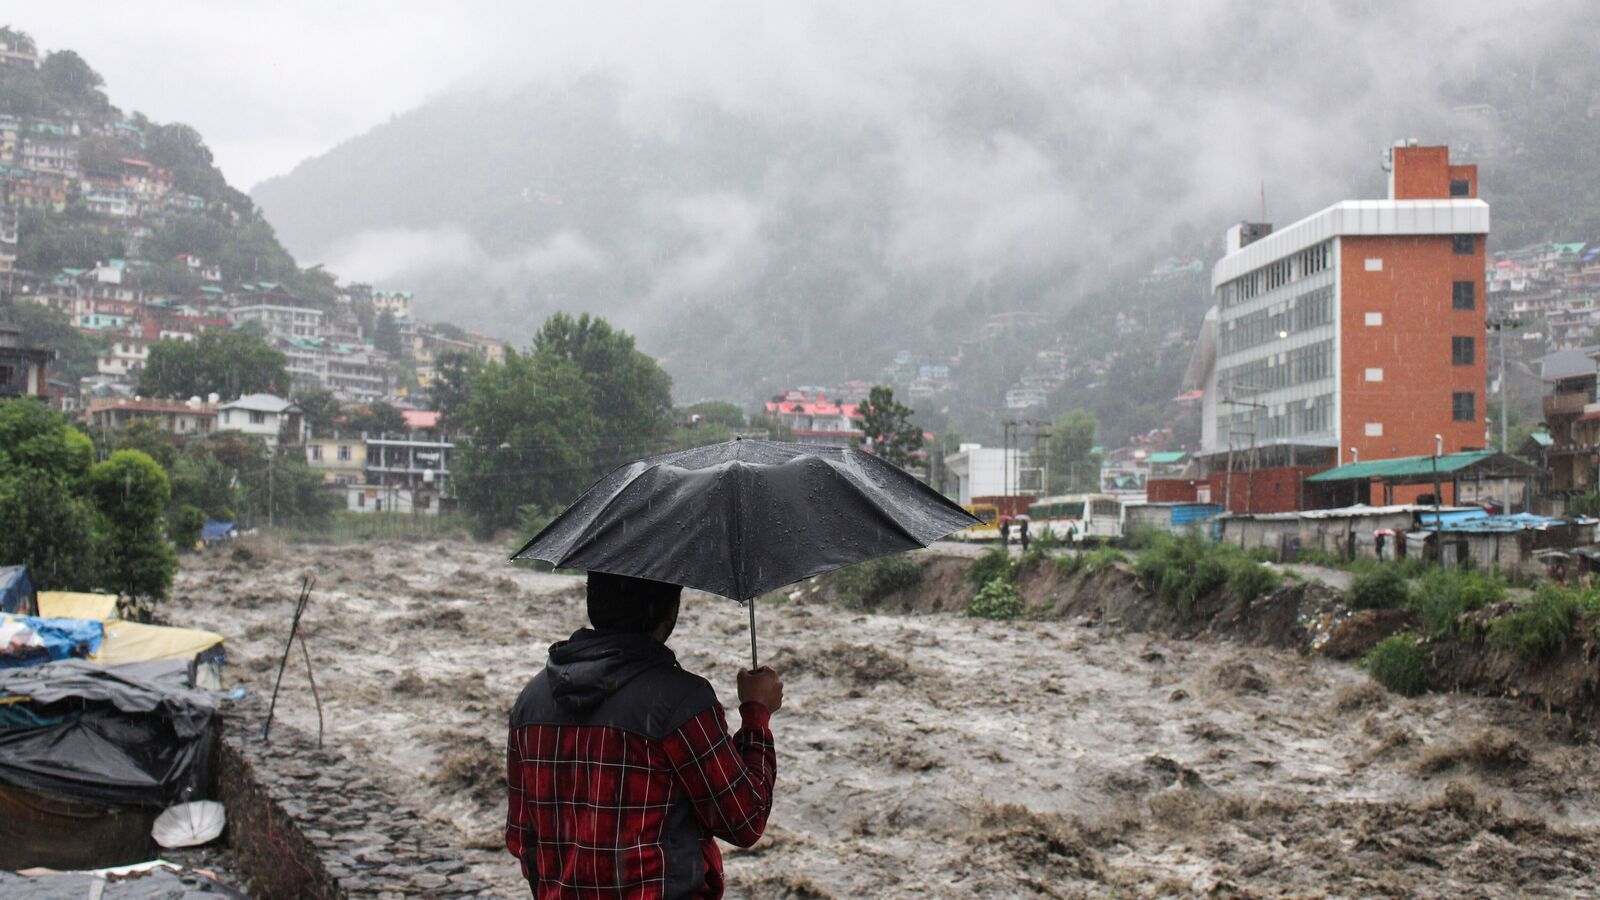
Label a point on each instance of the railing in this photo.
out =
(1567, 404)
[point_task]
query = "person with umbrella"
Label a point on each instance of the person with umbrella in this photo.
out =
(621, 771)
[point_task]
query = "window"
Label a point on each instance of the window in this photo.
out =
(7, 373)
(1374, 264)
(1463, 244)
(361, 500)
(1374, 374)
(1464, 406)
(1463, 351)
(1460, 187)
(344, 453)
(1374, 318)
(1374, 429)
(257, 417)
(316, 453)
(1464, 295)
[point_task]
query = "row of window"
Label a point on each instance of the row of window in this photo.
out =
(1299, 313)
(1277, 274)
(1301, 365)
(1312, 417)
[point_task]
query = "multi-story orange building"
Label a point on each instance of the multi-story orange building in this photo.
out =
(1357, 332)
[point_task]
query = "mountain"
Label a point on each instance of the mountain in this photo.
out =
(758, 244)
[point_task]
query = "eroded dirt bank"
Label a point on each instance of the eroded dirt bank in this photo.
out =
(925, 754)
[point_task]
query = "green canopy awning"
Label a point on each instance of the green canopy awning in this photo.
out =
(1421, 468)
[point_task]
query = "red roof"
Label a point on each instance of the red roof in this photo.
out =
(813, 408)
(421, 418)
(162, 406)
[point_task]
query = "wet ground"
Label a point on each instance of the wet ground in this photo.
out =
(944, 757)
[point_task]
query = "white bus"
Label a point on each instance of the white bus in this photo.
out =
(1077, 517)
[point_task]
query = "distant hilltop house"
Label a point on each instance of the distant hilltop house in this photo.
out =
(407, 472)
(395, 303)
(815, 419)
(179, 418)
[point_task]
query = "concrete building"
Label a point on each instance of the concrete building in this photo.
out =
(1356, 332)
(23, 370)
(279, 319)
(176, 417)
(982, 471)
(815, 419)
(341, 460)
(273, 419)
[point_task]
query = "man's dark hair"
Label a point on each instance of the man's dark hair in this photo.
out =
(624, 603)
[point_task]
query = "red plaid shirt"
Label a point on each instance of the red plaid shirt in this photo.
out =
(589, 804)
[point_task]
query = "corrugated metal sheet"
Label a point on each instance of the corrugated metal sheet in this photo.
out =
(1189, 513)
(1402, 466)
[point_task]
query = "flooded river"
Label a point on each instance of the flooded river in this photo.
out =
(936, 756)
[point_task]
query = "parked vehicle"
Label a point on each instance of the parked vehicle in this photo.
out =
(1078, 517)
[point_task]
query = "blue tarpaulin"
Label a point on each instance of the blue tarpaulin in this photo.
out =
(213, 530)
(52, 639)
(15, 588)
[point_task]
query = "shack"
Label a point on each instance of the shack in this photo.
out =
(1509, 544)
(1349, 532)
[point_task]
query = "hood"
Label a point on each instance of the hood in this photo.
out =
(592, 665)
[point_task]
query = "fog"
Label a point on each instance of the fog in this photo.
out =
(915, 149)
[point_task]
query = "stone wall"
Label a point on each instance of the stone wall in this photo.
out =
(307, 823)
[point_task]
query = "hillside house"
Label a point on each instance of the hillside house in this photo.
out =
(180, 418)
(273, 419)
(816, 420)
(23, 370)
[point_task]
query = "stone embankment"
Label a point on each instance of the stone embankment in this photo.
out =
(305, 822)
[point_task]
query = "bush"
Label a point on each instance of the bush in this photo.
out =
(183, 526)
(1379, 587)
(1542, 625)
(1181, 570)
(1069, 564)
(1443, 595)
(1101, 558)
(1314, 557)
(1249, 579)
(865, 585)
(1399, 663)
(996, 563)
(999, 599)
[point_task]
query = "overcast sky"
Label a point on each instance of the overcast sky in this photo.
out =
(272, 83)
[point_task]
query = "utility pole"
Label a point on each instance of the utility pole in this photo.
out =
(1499, 327)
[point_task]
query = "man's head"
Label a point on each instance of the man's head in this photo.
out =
(639, 605)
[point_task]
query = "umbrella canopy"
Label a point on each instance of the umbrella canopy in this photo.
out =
(744, 517)
(189, 824)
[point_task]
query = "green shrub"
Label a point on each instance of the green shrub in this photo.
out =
(1542, 625)
(1069, 563)
(1142, 536)
(1399, 663)
(1378, 587)
(184, 524)
(1101, 558)
(1047, 539)
(1249, 579)
(999, 599)
(1443, 595)
(1181, 570)
(865, 585)
(996, 563)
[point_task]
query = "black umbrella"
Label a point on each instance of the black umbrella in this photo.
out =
(744, 517)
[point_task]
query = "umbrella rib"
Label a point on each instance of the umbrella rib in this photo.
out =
(588, 528)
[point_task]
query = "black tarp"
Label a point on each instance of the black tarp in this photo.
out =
(128, 736)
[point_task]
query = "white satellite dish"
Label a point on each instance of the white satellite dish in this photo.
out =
(189, 824)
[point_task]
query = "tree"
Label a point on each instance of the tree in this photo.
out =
(66, 76)
(453, 374)
(377, 418)
(132, 491)
(321, 411)
(228, 363)
(148, 437)
(52, 329)
(1073, 464)
(631, 394)
(533, 430)
(46, 521)
(386, 336)
(887, 430)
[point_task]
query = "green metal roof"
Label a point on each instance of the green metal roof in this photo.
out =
(1542, 438)
(1404, 466)
(1168, 456)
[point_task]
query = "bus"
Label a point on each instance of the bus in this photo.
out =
(988, 530)
(1077, 517)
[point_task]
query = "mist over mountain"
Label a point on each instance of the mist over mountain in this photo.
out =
(800, 221)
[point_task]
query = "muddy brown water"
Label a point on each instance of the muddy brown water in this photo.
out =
(937, 756)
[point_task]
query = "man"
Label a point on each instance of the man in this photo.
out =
(1022, 533)
(620, 767)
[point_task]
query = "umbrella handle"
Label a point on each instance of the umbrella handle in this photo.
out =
(751, 604)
